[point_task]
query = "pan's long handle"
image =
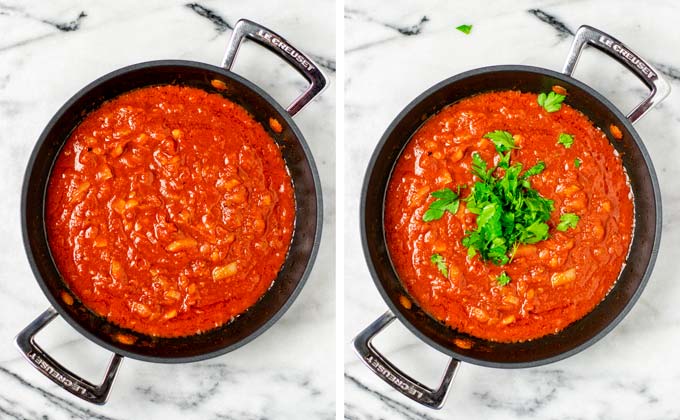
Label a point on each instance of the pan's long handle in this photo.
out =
(624, 55)
(407, 386)
(96, 394)
(278, 45)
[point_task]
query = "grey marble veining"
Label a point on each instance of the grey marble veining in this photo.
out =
(48, 51)
(395, 53)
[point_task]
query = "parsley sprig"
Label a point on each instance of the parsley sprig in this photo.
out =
(551, 102)
(509, 212)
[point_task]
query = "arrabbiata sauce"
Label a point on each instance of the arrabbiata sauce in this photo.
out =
(508, 216)
(169, 210)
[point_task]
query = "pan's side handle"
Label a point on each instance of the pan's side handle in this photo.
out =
(96, 394)
(624, 55)
(407, 386)
(278, 45)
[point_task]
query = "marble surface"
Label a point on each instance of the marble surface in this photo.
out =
(48, 51)
(393, 54)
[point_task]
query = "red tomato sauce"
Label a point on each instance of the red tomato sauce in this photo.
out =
(169, 211)
(554, 282)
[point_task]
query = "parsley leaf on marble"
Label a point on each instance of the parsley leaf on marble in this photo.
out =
(466, 29)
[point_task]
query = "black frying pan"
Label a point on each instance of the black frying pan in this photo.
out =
(577, 336)
(300, 257)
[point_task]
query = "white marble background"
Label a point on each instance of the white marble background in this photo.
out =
(48, 51)
(395, 52)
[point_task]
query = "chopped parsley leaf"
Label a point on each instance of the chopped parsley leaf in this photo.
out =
(566, 140)
(567, 220)
(551, 102)
(502, 140)
(438, 260)
(447, 201)
(503, 279)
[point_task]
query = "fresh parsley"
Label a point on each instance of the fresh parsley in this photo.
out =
(504, 143)
(502, 140)
(447, 201)
(577, 163)
(551, 102)
(479, 167)
(503, 279)
(465, 29)
(509, 212)
(567, 221)
(566, 140)
(438, 260)
(535, 170)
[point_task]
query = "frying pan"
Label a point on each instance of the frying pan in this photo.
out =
(582, 333)
(292, 275)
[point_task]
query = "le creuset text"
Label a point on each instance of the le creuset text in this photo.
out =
(387, 374)
(278, 43)
(53, 373)
(625, 53)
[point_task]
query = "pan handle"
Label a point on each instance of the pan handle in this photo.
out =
(407, 386)
(278, 45)
(624, 55)
(25, 341)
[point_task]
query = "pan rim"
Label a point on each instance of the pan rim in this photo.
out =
(395, 308)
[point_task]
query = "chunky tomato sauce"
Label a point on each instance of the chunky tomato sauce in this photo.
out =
(169, 211)
(554, 282)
